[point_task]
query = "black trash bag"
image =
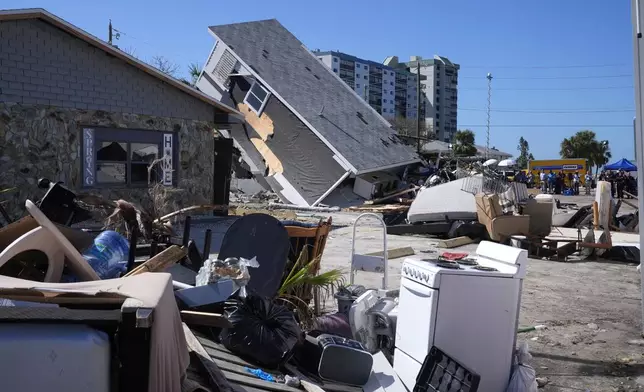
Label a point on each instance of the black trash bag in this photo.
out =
(262, 330)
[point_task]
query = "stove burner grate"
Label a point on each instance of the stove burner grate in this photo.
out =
(484, 268)
(471, 262)
(448, 265)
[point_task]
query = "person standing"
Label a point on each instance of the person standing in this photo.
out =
(588, 181)
(543, 182)
(575, 183)
(620, 183)
(612, 179)
(552, 179)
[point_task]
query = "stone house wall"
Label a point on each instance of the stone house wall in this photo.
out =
(53, 83)
(43, 65)
(39, 141)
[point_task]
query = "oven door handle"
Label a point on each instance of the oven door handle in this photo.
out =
(417, 289)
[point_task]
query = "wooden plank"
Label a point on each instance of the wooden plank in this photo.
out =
(307, 384)
(303, 232)
(233, 368)
(245, 388)
(328, 386)
(628, 203)
(630, 195)
(161, 261)
(223, 356)
(424, 228)
(391, 196)
(39, 314)
(257, 383)
(216, 377)
(454, 242)
(205, 319)
(66, 300)
(395, 253)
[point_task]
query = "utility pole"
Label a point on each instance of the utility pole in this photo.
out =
(109, 35)
(489, 102)
(637, 21)
(418, 105)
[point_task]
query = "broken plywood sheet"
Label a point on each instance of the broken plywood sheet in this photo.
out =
(263, 124)
(270, 159)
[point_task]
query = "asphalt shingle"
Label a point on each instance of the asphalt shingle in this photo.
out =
(345, 120)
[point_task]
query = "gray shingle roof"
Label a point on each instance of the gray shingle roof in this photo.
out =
(346, 121)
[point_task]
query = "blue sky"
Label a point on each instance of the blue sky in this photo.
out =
(558, 65)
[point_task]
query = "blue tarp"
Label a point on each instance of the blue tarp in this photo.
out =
(622, 164)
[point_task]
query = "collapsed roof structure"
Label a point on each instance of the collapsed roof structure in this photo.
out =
(306, 131)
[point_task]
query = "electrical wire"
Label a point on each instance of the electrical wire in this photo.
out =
(549, 126)
(546, 66)
(550, 77)
(548, 111)
(550, 89)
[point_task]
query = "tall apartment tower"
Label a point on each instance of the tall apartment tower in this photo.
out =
(391, 88)
(391, 91)
(439, 81)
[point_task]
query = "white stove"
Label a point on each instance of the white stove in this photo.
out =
(468, 309)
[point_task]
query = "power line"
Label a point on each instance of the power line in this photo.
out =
(551, 89)
(547, 66)
(551, 77)
(547, 111)
(550, 126)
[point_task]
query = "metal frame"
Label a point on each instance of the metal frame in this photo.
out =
(370, 263)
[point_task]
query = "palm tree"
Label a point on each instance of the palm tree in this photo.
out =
(584, 144)
(601, 154)
(195, 72)
(464, 143)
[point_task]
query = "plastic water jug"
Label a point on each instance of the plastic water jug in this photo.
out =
(108, 255)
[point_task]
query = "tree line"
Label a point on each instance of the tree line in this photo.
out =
(583, 144)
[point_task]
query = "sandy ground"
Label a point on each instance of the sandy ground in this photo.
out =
(591, 309)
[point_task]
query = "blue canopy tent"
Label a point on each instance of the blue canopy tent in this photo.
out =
(622, 164)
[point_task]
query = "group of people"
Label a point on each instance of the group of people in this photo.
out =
(619, 182)
(556, 183)
(521, 176)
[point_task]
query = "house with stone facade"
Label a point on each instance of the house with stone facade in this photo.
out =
(75, 109)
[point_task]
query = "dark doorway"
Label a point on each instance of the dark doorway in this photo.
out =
(222, 174)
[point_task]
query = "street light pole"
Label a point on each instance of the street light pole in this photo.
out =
(489, 102)
(418, 105)
(639, 116)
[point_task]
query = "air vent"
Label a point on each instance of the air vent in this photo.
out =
(308, 69)
(317, 77)
(224, 67)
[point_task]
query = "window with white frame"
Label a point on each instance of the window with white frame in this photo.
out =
(256, 98)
